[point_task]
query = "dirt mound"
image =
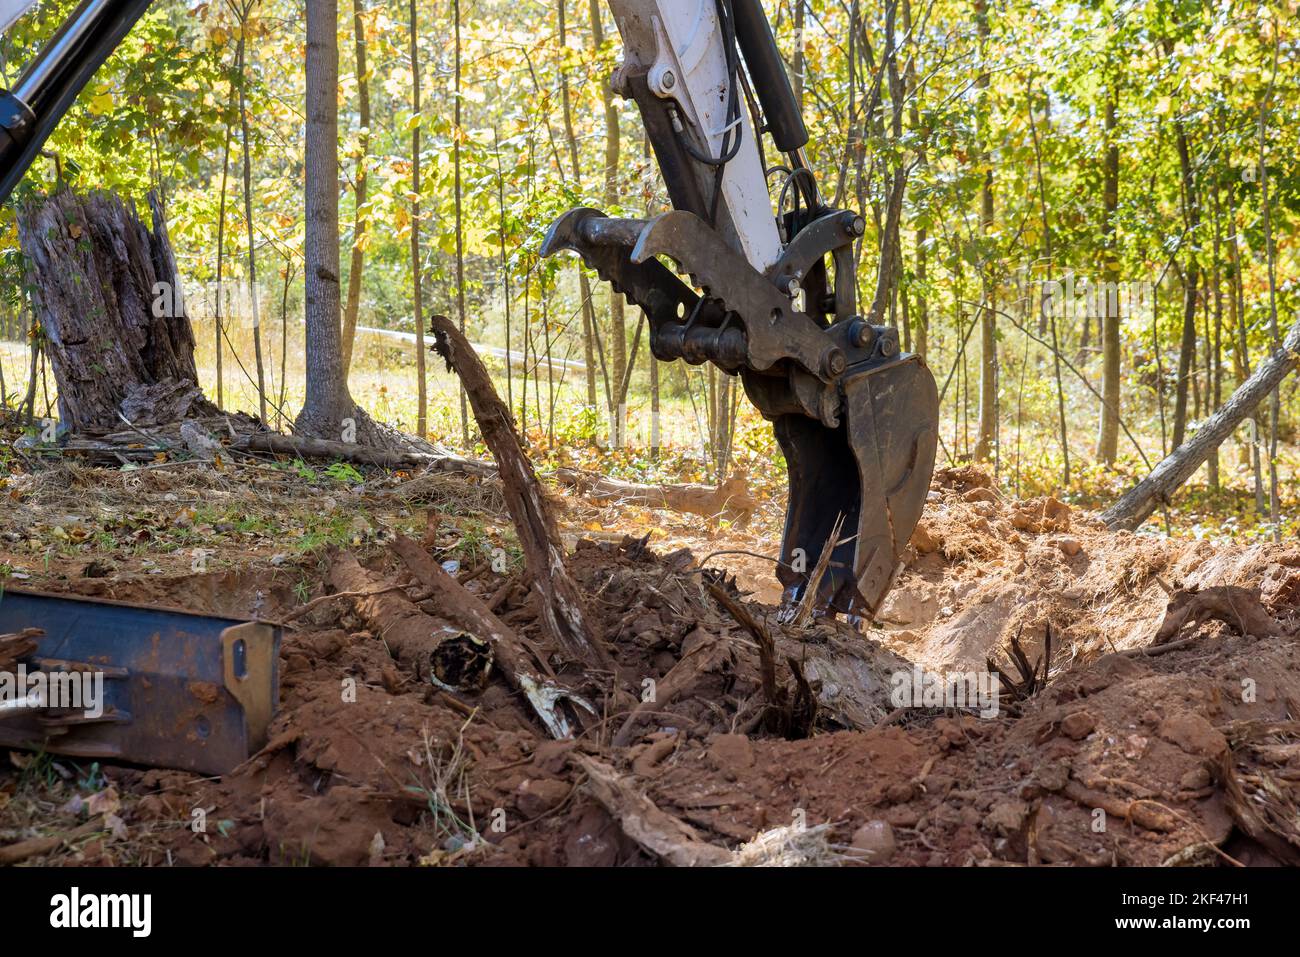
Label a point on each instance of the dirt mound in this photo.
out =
(1128, 757)
(985, 569)
(1166, 733)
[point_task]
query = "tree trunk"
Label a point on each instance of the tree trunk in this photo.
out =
(357, 265)
(253, 297)
(584, 283)
(505, 269)
(1186, 350)
(329, 411)
(988, 321)
(460, 230)
(617, 320)
(1216, 280)
(1047, 307)
(1191, 282)
(1108, 433)
(1270, 260)
(798, 64)
(890, 258)
(417, 295)
(218, 328)
(1177, 467)
(922, 324)
(107, 295)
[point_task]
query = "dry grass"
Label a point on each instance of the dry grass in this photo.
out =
(793, 846)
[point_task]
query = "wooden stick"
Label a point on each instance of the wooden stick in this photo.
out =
(565, 618)
(39, 846)
(766, 646)
(669, 839)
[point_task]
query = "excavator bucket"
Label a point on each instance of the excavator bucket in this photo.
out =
(868, 477)
(856, 420)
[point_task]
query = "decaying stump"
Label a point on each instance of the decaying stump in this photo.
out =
(564, 615)
(731, 500)
(423, 644)
(106, 292)
(1237, 607)
(468, 611)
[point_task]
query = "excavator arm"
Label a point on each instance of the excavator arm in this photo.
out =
(48, 85)
(769, 295)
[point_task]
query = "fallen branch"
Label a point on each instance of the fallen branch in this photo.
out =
(40, 846)
(564, 614)
(731, 500)
(1151, 651)
(352, 452)
(468, 611)
(667, 838)
(1137, 504)
(137, 446)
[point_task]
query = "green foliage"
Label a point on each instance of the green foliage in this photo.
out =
(344, 472)
(1022, 110)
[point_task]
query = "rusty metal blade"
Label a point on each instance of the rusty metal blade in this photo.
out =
(179, 690)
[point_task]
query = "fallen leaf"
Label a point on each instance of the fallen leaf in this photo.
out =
(104, 802)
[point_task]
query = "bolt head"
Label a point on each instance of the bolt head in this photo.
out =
(861, 333)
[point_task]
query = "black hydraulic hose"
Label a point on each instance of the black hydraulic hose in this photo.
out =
(731, 138)
(51, 82)
(771, 82)
(734, 130)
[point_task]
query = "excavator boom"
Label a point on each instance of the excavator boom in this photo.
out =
(48, 85)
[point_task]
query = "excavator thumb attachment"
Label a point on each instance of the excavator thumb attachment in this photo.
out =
(869, 475)
(855, 419)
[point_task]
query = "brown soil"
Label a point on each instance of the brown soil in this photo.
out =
(1191, 754)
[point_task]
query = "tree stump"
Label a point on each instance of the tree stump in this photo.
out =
(106, 292)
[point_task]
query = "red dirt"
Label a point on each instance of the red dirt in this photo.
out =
(406, 772)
